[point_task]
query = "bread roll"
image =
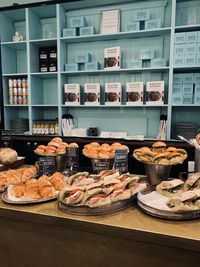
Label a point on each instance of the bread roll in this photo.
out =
(8, 155)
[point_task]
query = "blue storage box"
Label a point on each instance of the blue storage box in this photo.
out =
(191, 37)
(70, 32)
(152, 24)
(177, 99)
(177, 78)
(179, 60)
(190, 59)
(179, 49)
(196, 77)
(158, 62)
(146, 53)
(179, 38)
(71, 67)
(134, 26)
(197, 89)
(198, 49)
(83, 58)
(188, 78)
(198, 60)
(188, 88)
(76, 22)
(90, 30)
(191, 48)
(197, 99)
(141, 15)
(177, 89)
(92, 66)
(198, 36)
(135, 64)
(187, 99)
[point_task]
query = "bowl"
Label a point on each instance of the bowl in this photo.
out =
(157, 173)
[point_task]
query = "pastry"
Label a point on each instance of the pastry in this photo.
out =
(75, 145)
(193, 182)
(50, 150)
(18, 190)
(41, 149)
(8, 155)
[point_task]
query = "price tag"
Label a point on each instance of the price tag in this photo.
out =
(121, 160)
(6, 138)
(47, 165)
(99, 165)
(72, 157)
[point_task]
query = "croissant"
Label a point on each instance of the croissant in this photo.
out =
(3, 180)
(58, 175)
(13, 179)
(18, 190)
(58, 183)
(32, 194)
(28, 173)
(43, 181)
(47, 191)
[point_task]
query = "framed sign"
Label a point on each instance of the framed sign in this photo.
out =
(6, 138)
(121, 160)
(72, 157)
(110, 22)
(47, 165)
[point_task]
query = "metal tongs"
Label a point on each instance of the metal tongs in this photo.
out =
(192, 142)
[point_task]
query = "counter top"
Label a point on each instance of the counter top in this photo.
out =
(130, 223)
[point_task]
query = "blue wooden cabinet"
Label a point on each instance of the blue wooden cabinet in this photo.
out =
(42, 26)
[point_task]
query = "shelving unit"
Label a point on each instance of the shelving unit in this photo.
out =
(42, 26)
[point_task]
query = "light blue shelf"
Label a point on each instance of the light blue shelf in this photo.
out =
(15, 45)
(15, 74)
(187, 27)
(186, 105)
(116, 36)
(45, 105)
(187, 68)
(16, 106)
(44, 42)
(117, 106)
(45, 75)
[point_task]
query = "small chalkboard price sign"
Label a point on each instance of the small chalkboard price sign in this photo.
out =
(99, 165)
(47, 165)
(121, 160)
(6, 138)
(72, 157)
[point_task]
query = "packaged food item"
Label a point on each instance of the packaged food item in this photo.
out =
(155, 93)
(92, 94)
(112, 58)
(134, 93)
(113, 92)
(72, 94)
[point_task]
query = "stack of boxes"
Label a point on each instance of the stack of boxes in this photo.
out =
(78, 26)
(186, 89)
(187, 49)
(141, 20)
(48, 59)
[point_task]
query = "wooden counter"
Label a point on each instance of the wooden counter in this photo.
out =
(41, 235)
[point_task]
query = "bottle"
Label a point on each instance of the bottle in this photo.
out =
(52, 128)
(46, 128)
(38, 128)
(34, 127)
(56, 127)
(42, 128)
(10, 83)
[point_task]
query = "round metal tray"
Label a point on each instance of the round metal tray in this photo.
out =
(164, 214)
(85, 210)
(6, 199)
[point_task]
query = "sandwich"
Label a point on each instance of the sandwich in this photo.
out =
(185, 201)
(138, 187)
(175, 158)
(109, 185)
(144, 154)
(159, 147)
(78, 176)
(109, 174)
(193, 182)
(97, 198)
(120, 194)
(161, 158)
(182, 152)
(169, 188)
(71, 195)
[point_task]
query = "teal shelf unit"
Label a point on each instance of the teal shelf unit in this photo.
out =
(42, 26)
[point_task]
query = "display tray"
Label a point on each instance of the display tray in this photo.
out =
(19, 162)
(6, 199)
(85, 210)
(161, 213)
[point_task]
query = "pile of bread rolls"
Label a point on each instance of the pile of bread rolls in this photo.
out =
(8, 155)
(159, 153)
(55, 147)
(105, 151)
(44, 187)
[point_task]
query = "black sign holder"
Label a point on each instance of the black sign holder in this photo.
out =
(47, 165)
(6, 138)
(121, 160)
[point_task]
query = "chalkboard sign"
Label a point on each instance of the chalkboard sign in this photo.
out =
(72, 157)
(99, 165)
(6, 138)
(47, 165)
(121, 160)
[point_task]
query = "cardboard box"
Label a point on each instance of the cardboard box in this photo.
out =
(177, 78)
(89, 30)
(179, 49)
(76, 22)
(188, 88)
(134, 26)
(155, 93)
(141, 15)
(197, 99)
(177, 99)
(83, 57)
(135, 64)
(92, 94)
(52, 67)
(52, 52)
(177, 89)
(179, 38)
(146, 53)
(198, 60)
(196, 77)
(71, 67)
(152, 24)
(187, 99)
(188, 78)
(190, 60)
(197, 89)
(158, 62)
(191, 37)
(91, 66)
(134, 93)
(113, 93)
(112, 58)
(179, 60)
(43, 53)
(72, 94)
(68, 32)
(44, 66)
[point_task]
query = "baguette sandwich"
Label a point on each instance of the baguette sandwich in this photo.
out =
(193, 182)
